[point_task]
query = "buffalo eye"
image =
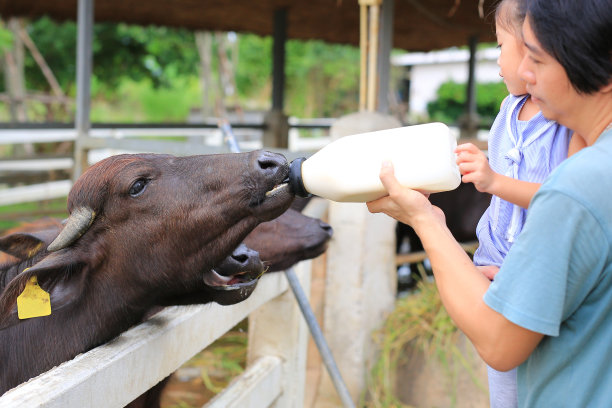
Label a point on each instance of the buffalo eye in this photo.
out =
(138, 187)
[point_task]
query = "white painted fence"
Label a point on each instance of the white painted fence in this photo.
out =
(116, 373)
(35, 192)
(106, 142)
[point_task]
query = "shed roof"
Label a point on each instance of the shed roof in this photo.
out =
(419, 25)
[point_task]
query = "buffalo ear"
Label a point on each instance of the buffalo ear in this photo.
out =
(24, 245)
(57, 273)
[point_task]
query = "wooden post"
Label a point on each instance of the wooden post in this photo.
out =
(369, 43)
(363, 54)
(14, 79)
(469, 121)
(276, 133)
(373, 57)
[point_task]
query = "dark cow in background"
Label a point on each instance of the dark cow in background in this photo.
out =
(143, 229)
(462, 207)
(288, 239)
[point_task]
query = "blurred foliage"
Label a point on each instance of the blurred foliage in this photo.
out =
(223, 360)
(450, 104)
(6, 39)
(143, 74)
(140, 101)
(119, 51)
(322, 79)
(14, 214)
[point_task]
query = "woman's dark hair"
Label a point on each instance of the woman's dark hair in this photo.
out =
(578, 34)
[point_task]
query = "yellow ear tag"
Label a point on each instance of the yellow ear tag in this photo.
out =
(33, 301)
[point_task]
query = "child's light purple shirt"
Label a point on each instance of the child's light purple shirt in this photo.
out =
(524, 150)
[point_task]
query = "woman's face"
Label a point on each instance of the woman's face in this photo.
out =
(546, 80)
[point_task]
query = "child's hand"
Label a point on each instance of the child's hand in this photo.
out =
(474, 167)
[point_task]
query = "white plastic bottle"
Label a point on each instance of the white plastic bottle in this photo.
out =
(348, 169)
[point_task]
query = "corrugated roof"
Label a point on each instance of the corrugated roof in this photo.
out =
(419, 25)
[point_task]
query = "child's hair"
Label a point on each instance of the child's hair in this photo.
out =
(510, 14)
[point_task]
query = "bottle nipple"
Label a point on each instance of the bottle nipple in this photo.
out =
(296, 183)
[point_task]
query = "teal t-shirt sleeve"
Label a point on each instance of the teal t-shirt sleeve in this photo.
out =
(552, 266)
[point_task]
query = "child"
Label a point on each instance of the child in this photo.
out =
(524, 147)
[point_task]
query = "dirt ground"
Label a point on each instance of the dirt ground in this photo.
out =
(185, 391)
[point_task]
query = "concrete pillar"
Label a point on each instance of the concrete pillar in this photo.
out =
(84, 64)
(277, 129)
(279, 329)
(384, 55)
(361, 276)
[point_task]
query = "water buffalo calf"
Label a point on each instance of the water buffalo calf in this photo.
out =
(143, 229)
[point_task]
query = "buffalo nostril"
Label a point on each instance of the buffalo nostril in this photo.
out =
(243, 254)
(240, 258)
(270, 161)
(326, 227)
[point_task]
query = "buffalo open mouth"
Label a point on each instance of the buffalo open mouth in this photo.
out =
(239, 280)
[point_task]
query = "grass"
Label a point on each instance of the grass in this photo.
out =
(218, 364)
(15, 214)
(223, 361)
(418, 321)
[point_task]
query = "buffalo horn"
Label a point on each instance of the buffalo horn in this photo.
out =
(76, 225)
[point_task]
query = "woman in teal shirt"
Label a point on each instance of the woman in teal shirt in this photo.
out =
(549, 310)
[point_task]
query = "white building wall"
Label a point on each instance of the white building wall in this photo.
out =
(432, 69)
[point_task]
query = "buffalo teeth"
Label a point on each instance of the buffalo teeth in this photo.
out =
(276, 189)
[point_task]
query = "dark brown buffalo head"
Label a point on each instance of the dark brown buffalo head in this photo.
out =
(149, 227)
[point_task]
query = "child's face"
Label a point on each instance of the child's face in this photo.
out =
(512, 51)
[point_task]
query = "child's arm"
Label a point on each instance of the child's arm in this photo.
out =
(474, 167)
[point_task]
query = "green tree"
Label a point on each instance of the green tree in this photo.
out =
(321, 79)
(119, 51)
(450, 104)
